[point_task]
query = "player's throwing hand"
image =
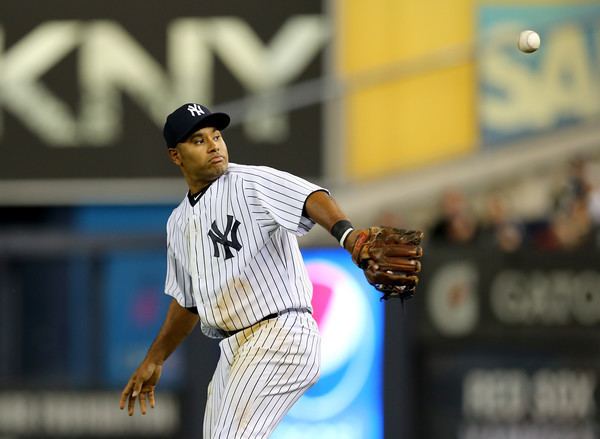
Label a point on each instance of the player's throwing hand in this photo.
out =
(141, 385)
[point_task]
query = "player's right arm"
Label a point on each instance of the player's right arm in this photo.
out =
(178, 323)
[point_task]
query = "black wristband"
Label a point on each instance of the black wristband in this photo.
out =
(339, 229)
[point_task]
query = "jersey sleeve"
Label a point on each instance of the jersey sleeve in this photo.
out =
(177, 282)
(282, 196)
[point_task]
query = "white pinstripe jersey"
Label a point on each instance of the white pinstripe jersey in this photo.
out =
(234, 255)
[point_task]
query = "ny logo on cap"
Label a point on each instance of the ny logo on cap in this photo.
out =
(195, 110)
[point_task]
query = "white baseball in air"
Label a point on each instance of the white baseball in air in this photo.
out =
(529, 41)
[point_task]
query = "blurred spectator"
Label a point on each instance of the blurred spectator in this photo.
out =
(576, 186)
(570, 224)
(593, 179)
(498, 228)
(594, 206)
(569, 227)
(457, 224)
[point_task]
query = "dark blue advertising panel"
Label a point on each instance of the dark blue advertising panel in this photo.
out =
(134, 308)
(516, 393)
(508, 345)
(42, 413)
(473, 293)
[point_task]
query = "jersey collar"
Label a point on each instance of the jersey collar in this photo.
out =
(194, 198)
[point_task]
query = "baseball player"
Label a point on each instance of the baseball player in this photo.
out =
(233, 264)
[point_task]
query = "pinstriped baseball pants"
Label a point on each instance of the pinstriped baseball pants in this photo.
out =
(261, 373)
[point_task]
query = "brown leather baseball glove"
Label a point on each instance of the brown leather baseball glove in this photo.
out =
(389, 257)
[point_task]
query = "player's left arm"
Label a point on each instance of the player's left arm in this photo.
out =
(323, 210)
(389, 257)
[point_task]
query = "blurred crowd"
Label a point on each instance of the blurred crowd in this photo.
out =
(571, 220)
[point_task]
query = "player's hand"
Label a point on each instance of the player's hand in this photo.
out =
(141, 386)
(389, 257)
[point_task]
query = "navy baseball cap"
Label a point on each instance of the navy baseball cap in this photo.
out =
(189, 118)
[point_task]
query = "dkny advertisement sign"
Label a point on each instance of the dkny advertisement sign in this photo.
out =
(85, 87)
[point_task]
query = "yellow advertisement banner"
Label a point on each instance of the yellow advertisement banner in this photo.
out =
(419, 105)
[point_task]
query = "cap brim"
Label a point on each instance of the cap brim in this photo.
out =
(219, 121)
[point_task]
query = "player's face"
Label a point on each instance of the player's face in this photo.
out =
(202, 157)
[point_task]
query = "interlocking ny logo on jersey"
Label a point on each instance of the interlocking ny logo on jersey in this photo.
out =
(219, 237)
(195, 109)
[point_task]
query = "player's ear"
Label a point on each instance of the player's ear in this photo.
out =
(174, 156)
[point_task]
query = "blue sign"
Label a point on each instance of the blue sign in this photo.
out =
(135, 308)
(523, 94)
(346, 402)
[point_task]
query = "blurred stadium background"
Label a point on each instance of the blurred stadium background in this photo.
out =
(418, 114)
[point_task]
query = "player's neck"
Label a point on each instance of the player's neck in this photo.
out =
(196, 185)
(196, 189)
